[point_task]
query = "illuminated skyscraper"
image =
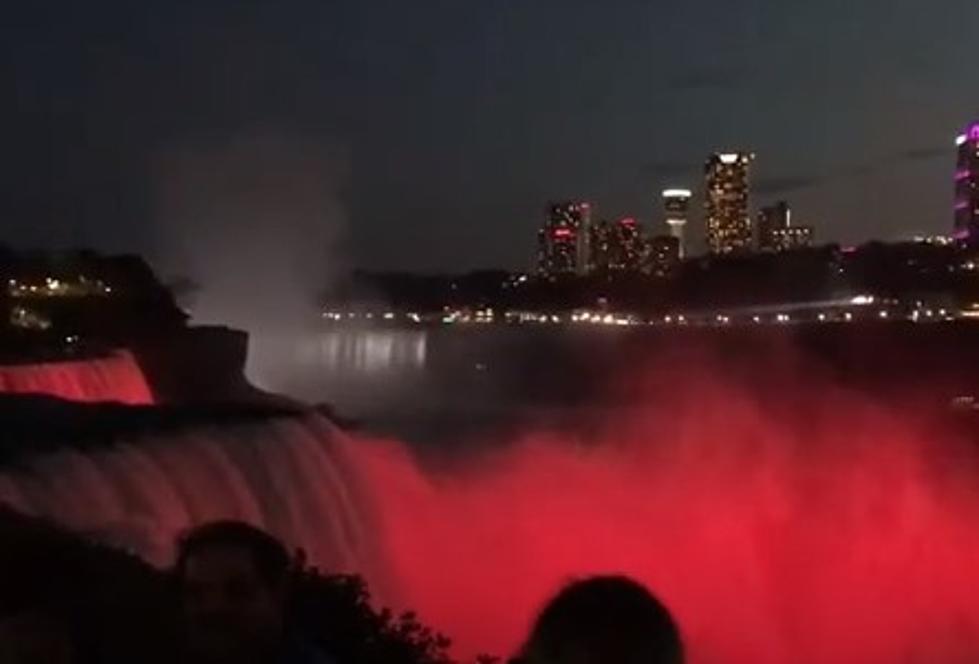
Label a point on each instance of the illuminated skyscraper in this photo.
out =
(726, 204)
(676, 204)
(967, 184)
(563, 241)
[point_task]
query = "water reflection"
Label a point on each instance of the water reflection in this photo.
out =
(366, 351)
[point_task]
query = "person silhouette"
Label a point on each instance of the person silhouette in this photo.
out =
(603, 620)
(234, 587)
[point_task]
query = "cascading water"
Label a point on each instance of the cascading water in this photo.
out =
(835, 534)
(115, 378)
(291, 475)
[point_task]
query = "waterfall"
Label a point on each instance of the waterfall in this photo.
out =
(293, 476)
(847, 535)
(116, 378)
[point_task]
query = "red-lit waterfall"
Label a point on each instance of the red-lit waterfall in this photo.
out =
(293, 475)
(115, 378)
(843, 538)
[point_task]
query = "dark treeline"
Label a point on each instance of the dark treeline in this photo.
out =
(57, 304)
(120, 609)
(901, 271)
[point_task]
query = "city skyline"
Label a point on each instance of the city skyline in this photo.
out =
(575, 240)
(734, 223)
(456, 123)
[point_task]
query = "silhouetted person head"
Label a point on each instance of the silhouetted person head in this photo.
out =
(604, 620)
(233, 580)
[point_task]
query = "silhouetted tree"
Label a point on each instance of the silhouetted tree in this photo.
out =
(123, 610)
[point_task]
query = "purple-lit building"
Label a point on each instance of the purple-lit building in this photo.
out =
(967, 184)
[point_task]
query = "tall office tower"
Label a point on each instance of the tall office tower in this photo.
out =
(563, 241)
(676, 205)
(726, 202)
(770, 219)
(967, 184)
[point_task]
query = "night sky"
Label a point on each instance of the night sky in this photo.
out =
(439, 130)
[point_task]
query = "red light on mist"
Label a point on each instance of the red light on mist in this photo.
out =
(563, 232)
(116, 378)
(836, 537)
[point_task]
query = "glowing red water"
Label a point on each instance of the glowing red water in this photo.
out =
(843, 537)
(799, 523)
(115, 378)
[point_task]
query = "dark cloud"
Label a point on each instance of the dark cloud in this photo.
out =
(442, 105)
(787, 184)
(666, 168)
(715, 78)
(889, 163)
(774, 186)
(924, 154)
(858, 170)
